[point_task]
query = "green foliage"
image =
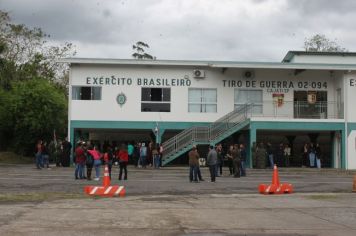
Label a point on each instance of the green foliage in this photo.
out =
(6, 119)
(38, 107)
(28, 49)
(33, 92)
(319, 43)
(139, 51)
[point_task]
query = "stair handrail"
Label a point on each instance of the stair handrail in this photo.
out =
(206, 133)
(183, 139)
(229, 121)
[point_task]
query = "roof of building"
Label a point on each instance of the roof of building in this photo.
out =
(288, 57)
(285, 64)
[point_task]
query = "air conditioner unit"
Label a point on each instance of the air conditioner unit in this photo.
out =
(248, 74)
(199, 74)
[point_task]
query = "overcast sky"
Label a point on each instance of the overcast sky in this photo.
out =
(235, 30)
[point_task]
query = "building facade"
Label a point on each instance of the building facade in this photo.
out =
(308, 97)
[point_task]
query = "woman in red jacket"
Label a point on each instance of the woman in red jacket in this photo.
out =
(123, 157)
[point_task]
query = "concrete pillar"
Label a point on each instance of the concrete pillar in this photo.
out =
(251, 144)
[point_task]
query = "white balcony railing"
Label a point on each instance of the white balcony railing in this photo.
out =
(299, 110)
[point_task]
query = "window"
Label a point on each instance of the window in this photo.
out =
(86, 93)
(253, 97)
(156, 100)
(202, 100)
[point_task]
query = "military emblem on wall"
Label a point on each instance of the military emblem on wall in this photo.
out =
(121, 99)
(278, 99)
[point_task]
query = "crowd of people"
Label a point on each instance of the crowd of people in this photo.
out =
(235, 158)
(266, 155)
(88, 156)
(58, 150)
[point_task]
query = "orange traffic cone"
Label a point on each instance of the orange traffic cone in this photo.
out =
(106, 190)
(275, 187)
(354, 185)
(275, 177)
(106, 179)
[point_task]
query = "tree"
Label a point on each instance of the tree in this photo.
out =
(319, 43)
(38, 108)
(139, 51)
(33, 96)
(25, 47)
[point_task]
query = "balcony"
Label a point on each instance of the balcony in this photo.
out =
(298, 110)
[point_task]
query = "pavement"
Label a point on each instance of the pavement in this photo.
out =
(164, 202)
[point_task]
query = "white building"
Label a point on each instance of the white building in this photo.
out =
(308, 97)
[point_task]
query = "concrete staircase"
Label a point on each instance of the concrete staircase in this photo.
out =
(206, 135)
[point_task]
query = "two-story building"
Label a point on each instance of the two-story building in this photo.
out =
(308, 97)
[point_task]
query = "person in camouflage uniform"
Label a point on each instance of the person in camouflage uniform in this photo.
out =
(261, 155)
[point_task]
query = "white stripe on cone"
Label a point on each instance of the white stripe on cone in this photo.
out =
(94, 190)
(119, 190)
(267, 189)
(108, 190)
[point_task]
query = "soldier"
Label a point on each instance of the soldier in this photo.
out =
(236, 160)
(261, 157)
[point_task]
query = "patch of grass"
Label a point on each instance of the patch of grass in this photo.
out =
(37, 197)
(322, 197)
(13, 158)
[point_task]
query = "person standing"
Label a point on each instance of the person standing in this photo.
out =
(108, 158)
(67, 147)
(305, 155)
(130, 151)
(229, 159)
(312, 152)
(123, 160)
(97, 162)
(193, 164)
(236, 160)
(89, 162)
(261, 156)
(287, 153)
(211, 161)
(143, 155)
(270, 155)
(45, 155)
(156, 157)
(280, 155)
(38, 154)
(243, 156)
(79, 161)
(220, 160)
(318, 156)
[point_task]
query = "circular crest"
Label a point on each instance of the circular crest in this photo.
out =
(121, 99)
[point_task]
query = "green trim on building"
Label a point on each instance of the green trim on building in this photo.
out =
(317, 126)
(254, 126)
(350, 127)
(134, 125)
(304, 126)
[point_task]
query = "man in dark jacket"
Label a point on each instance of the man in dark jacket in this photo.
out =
(67, 146)
(211, 161)
(236, 160)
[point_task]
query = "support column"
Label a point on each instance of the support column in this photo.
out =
(251, 146)
(343, 148)
(333, 154)
(158, 134)
(71, 139)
